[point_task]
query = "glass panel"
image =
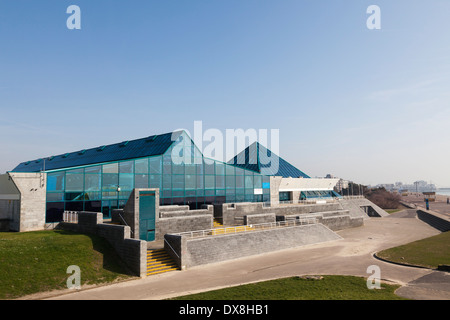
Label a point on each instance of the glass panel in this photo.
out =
(177, 168)
(249, 182)
(258, 181)
(111, 168)
(110, 181)
(190, 169)
(55, 196)
(167, 164)
(178, 193)
(229, 170)
(239, 171)
(155, 181)
(190, 181)
(209, 182)
(200, 168)
(126, 167)
(55, 181)
(220, 168)
(220, 182)
(74, 181)
(230, 182)
(239, 181)
(124, 194)
(155, 165)
(92, 182)
(209, 168)
(177, 181)
(141, 181)
(93, 170)
(167, 181)
(141, 166)
(200, 184)
(126, 181)
(92, 195)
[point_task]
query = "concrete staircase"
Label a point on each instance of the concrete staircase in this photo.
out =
(158, 261)
(217, 223)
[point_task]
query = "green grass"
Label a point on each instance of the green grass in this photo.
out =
(429, 252)
(33, 262)
(297, 288)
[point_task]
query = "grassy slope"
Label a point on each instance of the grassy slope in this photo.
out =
(429, 252)
(295, 288)
(34, 262)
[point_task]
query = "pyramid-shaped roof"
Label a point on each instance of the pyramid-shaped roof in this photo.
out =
(258, 158)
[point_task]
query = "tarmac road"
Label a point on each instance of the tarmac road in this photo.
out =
(351, 255)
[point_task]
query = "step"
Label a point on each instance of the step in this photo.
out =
(159, 261)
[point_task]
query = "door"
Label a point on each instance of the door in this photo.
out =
(147, 215)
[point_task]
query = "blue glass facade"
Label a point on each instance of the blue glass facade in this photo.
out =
(182, 174)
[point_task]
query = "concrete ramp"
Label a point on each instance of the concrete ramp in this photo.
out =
(199, 251)
(362, 207)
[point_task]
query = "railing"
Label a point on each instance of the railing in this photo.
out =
(308, 201)
(126, 223)
(173, 250)
(248, 228)
(352, 197)
(70, 216)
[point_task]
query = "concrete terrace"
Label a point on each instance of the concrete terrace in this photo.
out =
(351, 255)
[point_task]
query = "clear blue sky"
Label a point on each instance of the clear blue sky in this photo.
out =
(371, 106)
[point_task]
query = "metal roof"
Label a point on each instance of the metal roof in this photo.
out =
(258, 158)
(145, 147)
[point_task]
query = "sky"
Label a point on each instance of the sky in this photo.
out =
(367, 105)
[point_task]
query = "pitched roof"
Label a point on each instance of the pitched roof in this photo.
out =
(258, 158)
(145, 147)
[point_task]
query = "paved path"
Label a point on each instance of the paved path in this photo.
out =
(351, 255)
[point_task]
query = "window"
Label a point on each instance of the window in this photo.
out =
(155, 165)
(55, 181)
(141, 166)
(75, 180)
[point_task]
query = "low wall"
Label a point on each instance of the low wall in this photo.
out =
(232, 213)
(335, 220)
(194, 252)
(434, 219)
(259, 218)
(182, 224)
(132, 251)
(183, 211)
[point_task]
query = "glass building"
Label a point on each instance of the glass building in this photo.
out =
(102, 179)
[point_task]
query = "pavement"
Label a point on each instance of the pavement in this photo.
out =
(351, 255)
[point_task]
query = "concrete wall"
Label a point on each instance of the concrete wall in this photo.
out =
(360, 207)
(184, 211)
(183, 224)
(259, 218)
(233, 213)
(194, 252)
(169, 219)
(334, 220)
(133, 252)
(32, 189)
(130, 212)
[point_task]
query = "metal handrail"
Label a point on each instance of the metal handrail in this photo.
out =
(247, 228)
(171, 248)
(125, 223)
